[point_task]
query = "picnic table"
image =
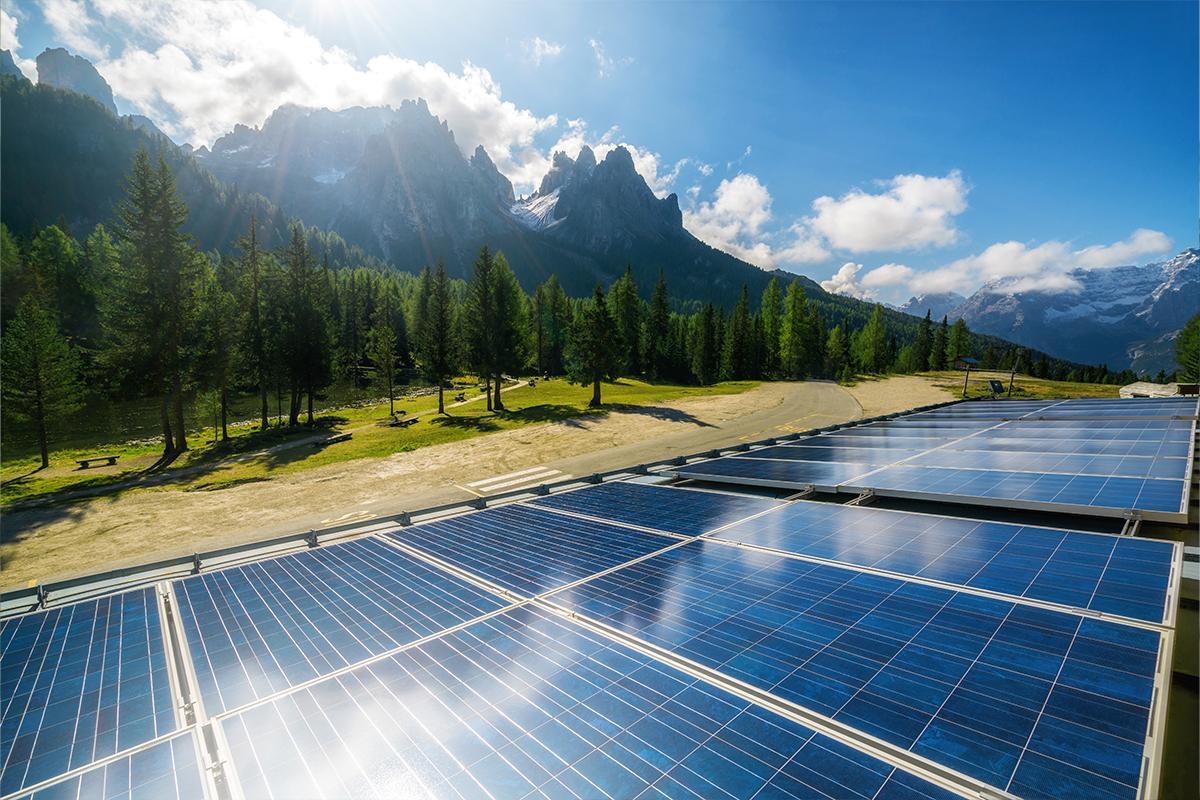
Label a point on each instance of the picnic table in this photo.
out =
(86, 463)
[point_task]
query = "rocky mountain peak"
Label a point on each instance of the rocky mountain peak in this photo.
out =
(585, 162)
(56, 67)
(8, 66)
(483, 164)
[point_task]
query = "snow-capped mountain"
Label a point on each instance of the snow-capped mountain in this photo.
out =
(938, 305)
(1124, 316)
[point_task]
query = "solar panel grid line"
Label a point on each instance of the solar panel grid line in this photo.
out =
(478, 580)
(948, 585)
(930, 770)
(697, 589)
(173, 664)
(591, 518)
(188, 786)
(1152, 759)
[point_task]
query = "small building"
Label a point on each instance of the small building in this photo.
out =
(966, 362)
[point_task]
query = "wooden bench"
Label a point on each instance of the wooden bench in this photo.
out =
(86, 463)
(341, 437)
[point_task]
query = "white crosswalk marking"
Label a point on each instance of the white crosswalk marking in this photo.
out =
(514, 480)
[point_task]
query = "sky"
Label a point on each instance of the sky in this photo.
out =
(885, 150)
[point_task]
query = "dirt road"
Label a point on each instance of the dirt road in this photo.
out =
(42, 544)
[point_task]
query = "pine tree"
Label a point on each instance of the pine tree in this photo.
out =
(217, 342)
(510, 331)
(922, 344)
(307, 337)
(381, 349)
(814, 335)
(252, 335)
(41, 371)
(736, 346)
(658, 330)
(1187, 351)
(772, 320)
(706, 346)
(593, 351)
(937, 350)
(958, 343)
(872, 353)
(481, 318)
(436, 346)
(793, 346)
(626, 310)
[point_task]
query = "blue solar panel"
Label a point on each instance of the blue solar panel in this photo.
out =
(859, 455)
(1070, 445)
(168, 770)
(682, 511)
(874, 442)
(1086, 491)
(263, 627)
(1017, 461)
(80, 683)
(778, 473)
(1089, 429)
(1110, 574)
(987, 687)
(528, 550)
(526, 704)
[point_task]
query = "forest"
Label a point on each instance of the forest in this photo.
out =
(134, 309)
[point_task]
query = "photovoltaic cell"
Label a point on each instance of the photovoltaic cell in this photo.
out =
(164, 771)
(1000, 691)
(1069, 445)
(80, 683)
(683, 511)
(528, 550)
(1018, 461)
(529, 705)
(875, 442)
(779, 473)
(1090, 491)
(263, 627)
(1110, 574)
(858, 455)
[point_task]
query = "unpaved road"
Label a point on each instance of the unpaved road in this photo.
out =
(41, 544)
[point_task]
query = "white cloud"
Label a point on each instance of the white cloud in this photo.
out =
(844, 281)
(10, 42)
(914, 211)
(72, 24)
(538, 50)
(887, 275)
(1142, 242)
(737, 162)
(606, 64)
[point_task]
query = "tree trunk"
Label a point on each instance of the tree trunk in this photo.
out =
(392, 395)
(181, 444)
(499, 404)
(595, 401)
(42, 440)
(310, 407)
(441, 400)
(224, 414)
(165, 419)
(487, 389)
(266, 408)
(294, 408)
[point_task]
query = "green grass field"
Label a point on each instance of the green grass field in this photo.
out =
(252, 454)
(1024, 386)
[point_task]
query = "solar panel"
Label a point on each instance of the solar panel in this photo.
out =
(682, 511)
(80, 683)
(876, 442)
(1021, 461)
(168, 770)
(1158, 498)
(1110, 574)
(528, 550)
(1118, 447)
(785, 474)
(263, 627)
(996, 690)
(860, 455)
(526, 704)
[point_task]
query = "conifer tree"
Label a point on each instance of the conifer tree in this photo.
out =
(923, 343)
(381, 349)
(772, 320)
(793, 346)
(510, 331)
(252, 332)
(658, 330)
(625, 307)
(436, 346)
(937, 350)
(957, 342)
(41, 371)
(1187, 351)
(592, 352)
(705, 345)
(872, 353)
(735, 355)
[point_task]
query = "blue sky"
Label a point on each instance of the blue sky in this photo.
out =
(885, 148)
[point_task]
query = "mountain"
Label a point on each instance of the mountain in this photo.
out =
(56, 67)
(8, 66)
(1124, 316)
(938, 304)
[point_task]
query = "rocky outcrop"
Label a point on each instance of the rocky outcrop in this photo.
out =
(56, 67)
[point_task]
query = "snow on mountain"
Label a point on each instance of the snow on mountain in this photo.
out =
(536, 212)
(939, 304)
(1124, 316)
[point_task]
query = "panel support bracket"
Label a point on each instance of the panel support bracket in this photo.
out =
(863, 498)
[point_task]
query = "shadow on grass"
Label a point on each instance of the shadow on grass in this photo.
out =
(474, 423)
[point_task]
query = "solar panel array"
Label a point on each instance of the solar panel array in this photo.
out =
(620, 640)
(1102, 457)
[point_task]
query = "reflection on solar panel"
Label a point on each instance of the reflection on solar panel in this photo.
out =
(784, 474)
(877, 442)
(1128, 466)
(168, 770)
(1110, 574)
(1020, 697)
(266, 626)
(1158, 497)
(689, 513)
(1117, 447)
(81, 683)
(529, 705)
(860, 455)
(527, 550)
